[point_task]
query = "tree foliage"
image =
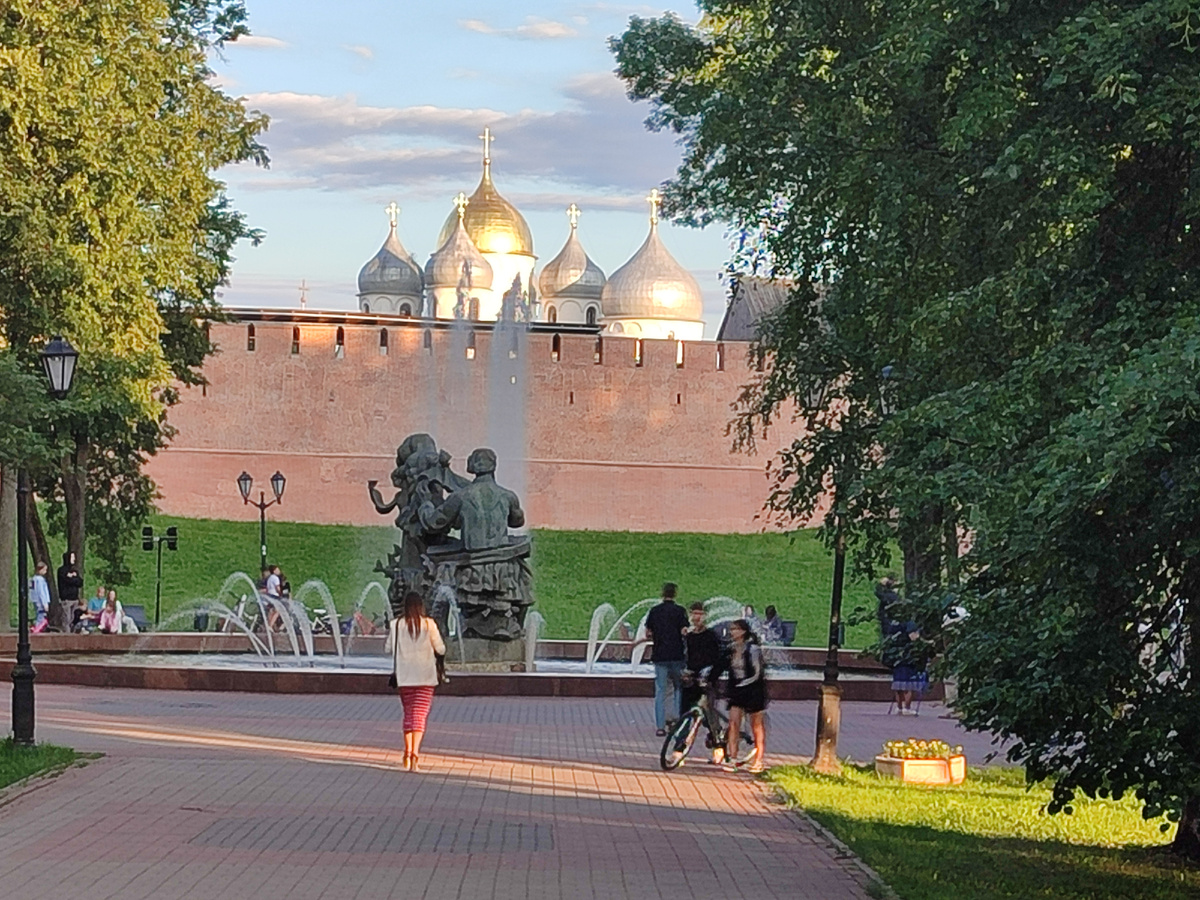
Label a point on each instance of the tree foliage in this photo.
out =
(114, 230)
(997, 201)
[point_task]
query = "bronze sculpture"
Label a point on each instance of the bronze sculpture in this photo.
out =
(483, 567)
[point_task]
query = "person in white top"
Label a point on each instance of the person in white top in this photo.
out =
(273, 588)
(415, 643)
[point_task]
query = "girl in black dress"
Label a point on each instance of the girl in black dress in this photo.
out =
(747, 696)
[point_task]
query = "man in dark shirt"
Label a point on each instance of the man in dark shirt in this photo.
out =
(703, 668)
(70, 583)
(665, 626)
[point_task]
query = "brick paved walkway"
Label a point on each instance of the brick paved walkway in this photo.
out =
(301, 796)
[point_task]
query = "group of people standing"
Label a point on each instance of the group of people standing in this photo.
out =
(689, 658)
(102, 613)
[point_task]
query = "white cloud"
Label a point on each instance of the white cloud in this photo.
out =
(596, 146)
(533, 29)
(360, 50)
(260, 42)
(477, 25)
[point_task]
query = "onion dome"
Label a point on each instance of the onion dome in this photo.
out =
(392, 270)
(572, 273)
(491, 221)
(652, 285)
(445, 266)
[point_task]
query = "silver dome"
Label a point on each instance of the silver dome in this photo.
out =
(445, 265)
(571, 274)
(392, 271)
(652, 285)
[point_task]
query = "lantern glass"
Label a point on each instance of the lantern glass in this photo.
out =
(244, 483)
(814, 395)
(887, 391)
(58, 362)
(278, 483)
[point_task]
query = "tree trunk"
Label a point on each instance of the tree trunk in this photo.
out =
(921, 546)
(74, 485)
(1187, 838)
(951, 551)
(8, 544)
(39, 548)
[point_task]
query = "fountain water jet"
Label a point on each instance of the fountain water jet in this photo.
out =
(330, 611)
(215, 608)
(534, 622)
(594, 651)
(375, 587)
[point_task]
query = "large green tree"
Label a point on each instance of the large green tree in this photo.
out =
(114, 230)
(997, 201)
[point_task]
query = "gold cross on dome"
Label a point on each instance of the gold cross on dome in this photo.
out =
(655, 200)
(487, 139)
(460, 202)
(573, 214)
(393, 212)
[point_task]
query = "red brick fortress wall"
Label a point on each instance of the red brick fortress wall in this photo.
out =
(616, 434)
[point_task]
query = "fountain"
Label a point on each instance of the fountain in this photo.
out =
(718, 612)
(373, 587)
(534, 622)
(212, 608)
(595, 649)
(243, 643)
(328, 611)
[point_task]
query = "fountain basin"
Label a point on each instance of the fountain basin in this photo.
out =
(223, 662)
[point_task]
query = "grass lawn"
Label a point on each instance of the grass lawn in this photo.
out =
(574, 571)
(18, 763)
(990, 838)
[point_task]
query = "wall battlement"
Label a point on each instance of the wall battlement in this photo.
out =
(610, 433)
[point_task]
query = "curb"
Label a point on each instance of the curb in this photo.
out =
(875, 883)
(38, 780)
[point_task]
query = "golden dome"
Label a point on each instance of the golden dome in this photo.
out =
(652, 285)
(572, 273)
(491, 221)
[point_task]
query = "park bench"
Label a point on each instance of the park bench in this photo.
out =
(789, 632)
(137, 612)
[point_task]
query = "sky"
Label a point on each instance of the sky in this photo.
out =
(374, 101)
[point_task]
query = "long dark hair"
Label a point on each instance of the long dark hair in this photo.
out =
(414, 611)
(750, 636)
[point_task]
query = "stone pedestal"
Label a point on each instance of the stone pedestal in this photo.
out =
(478, 651)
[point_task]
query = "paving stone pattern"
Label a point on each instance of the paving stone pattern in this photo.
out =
(301, 796)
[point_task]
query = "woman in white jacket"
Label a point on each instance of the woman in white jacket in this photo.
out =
(413, 640)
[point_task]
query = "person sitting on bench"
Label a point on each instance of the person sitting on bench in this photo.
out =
(113, 619)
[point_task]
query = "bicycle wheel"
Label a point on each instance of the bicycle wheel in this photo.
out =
(678, 741)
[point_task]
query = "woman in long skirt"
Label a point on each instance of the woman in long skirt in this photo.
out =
(414, 642)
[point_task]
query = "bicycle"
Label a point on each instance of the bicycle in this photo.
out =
(679, 740)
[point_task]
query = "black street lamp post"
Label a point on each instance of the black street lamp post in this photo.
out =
(245, 483)
(58, 360)
(149, 542)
